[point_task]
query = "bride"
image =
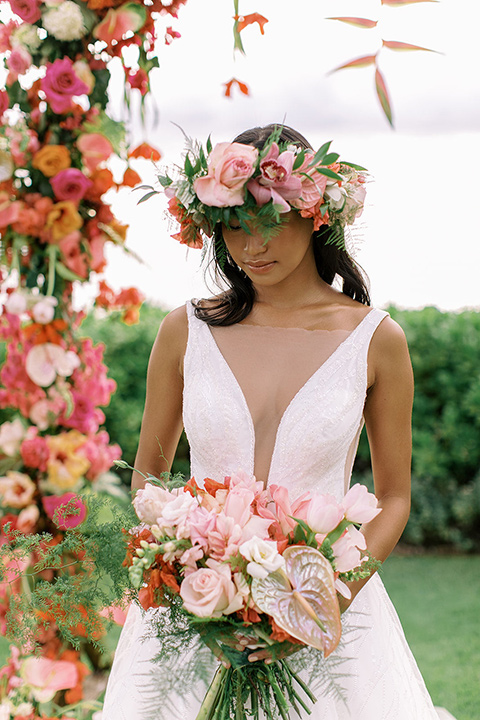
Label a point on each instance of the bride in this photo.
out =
(275, 376)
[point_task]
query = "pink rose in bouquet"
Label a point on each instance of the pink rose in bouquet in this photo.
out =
(210, 591)
(60, 84)
(70, 184)
(276, 181)
(230, 165)
(28, 10)
(359, 505)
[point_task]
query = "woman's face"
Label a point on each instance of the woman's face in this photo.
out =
(288, 252)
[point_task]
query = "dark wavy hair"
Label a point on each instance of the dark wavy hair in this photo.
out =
(331, 258)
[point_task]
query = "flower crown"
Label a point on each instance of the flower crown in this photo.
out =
(233, 180)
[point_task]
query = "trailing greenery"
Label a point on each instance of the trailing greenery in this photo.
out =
(445, 350)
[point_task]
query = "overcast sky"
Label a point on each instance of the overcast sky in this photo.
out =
(420, 242)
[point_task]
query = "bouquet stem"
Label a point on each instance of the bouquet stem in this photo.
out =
(209, 703)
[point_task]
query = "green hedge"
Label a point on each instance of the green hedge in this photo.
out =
(445, 350)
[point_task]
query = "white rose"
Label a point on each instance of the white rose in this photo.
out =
(263, 557)
(335, 195)
(16, 303)
(26, 35)
(24, 708)
(175, 515)
(6, 709)
(149, 503)
(44, 310)
(65, 22)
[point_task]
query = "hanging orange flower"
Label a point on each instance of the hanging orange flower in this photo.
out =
(241, 86)
(145, 150)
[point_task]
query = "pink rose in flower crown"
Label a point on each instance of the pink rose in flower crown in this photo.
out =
(313, 185)
(60, 84)
(95, 149)
(71, 510)
(210, 591)
(359, 505)
(230, 165)
(28, 10)
(70, 184)
(34, 450)
(276, 181)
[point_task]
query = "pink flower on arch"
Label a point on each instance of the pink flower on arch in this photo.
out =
(65, 518)
(28, 10)
(276, 181)
(60, 84)
(95, 149)
(118, 21)
(70, 184)
(45, 677)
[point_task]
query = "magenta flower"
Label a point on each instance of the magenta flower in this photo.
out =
(70, 184)
(28, 10)
(276, 181)
(61, 83)
(65, 517)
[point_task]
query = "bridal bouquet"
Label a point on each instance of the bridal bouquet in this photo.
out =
(253, 574)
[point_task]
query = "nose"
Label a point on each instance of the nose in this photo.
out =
(254, 244)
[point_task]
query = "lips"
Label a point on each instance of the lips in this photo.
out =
(260, 267)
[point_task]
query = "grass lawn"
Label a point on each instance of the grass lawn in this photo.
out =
(438, 601)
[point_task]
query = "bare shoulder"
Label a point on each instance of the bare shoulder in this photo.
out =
(389, 338)
(171, 341)
(388, 353)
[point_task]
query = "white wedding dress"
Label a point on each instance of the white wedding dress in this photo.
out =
(313, 450)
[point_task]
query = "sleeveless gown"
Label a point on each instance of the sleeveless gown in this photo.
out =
(313, 449)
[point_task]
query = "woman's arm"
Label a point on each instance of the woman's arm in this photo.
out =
(162, 416)
(388, 411)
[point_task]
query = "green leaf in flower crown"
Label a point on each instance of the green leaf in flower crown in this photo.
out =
(330, 158)
(329, 173)
(299, 160)
(320, 154)
(355, 167)
(302, 599)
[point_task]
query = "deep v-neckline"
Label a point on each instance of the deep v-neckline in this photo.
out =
(325, 364)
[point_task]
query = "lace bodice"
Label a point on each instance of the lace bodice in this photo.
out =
(318, 432)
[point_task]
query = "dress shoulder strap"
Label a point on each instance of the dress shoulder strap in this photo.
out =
(365, 331)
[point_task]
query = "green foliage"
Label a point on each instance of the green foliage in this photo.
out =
(88, 573)
(445, 350)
